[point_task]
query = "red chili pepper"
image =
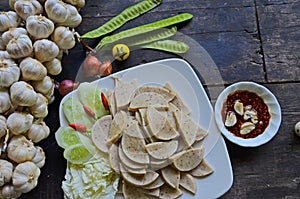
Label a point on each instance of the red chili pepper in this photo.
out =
(78, 127)
(104, 101)
(89, 111)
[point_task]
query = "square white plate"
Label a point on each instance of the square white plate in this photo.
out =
(185, 82)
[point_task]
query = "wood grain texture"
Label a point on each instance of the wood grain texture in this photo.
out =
(280, 40)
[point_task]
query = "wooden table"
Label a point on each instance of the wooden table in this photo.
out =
(255, 40)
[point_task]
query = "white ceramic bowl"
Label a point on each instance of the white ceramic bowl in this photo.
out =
(269, 99)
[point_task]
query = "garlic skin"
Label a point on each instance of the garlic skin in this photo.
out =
(12, 4)
(45, 50)
(63, 37)
(45, 86)
(32, 69)
(9, 191)
(6, 170)
(20, 149)
(4, 55)
(22, 94)
(40, 27)
(9, 73)
(56, 10)
(19, 47)
(3, 126)
(8, 20)
(25, 176)
(2, 45)
(26, 8)
(54, 66)
(39, 159)
(77, 3)
(19, 123)
(74, 18)
(5, 103)
(40, 108)
(12, 33)
(38, 132)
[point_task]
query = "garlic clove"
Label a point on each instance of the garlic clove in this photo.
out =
(39, 158)
(9, 191)
(239, 107)
(8, 20)
(246, 128)
(5, 103)
(3, 126)
(25, 8)
(54, 66)
(45, 50)
(231, 119)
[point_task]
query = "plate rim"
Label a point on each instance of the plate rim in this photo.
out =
(226, 187)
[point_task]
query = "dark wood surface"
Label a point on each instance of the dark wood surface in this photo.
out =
(255, 40)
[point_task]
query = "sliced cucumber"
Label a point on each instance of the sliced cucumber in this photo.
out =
(90, 95)
(77, 154)
(66, 136)
(74, 112)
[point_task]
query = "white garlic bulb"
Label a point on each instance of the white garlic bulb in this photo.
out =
(9, 191)
(54, 66)
(9, 72)
(56, 10)
(40, 108)
(73, 19)
(39, 158)
(63, 37)
(4, 55)
(5, 103)
(20, 149)
(8, 20)
(25, 176)
(19, 122)
(22, 94)
(40, 27)
(38, 132)
(45, 86)
(77, 3)
(19, 47)
(12, 33)
(6, 170)
(2, 45)
(32, 69)
(3, 126)
(26, 8)
(45, 50)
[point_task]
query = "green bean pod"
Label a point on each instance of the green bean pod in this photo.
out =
(125, 16)
(169, 46)
(159, 35)
(144, 29)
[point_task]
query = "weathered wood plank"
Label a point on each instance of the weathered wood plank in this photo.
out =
(111, 8)
(280, 32)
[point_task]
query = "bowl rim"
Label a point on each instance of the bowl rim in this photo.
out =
(269, 99)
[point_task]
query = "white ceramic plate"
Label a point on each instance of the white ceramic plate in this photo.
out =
(269, 99)
(185, 81)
